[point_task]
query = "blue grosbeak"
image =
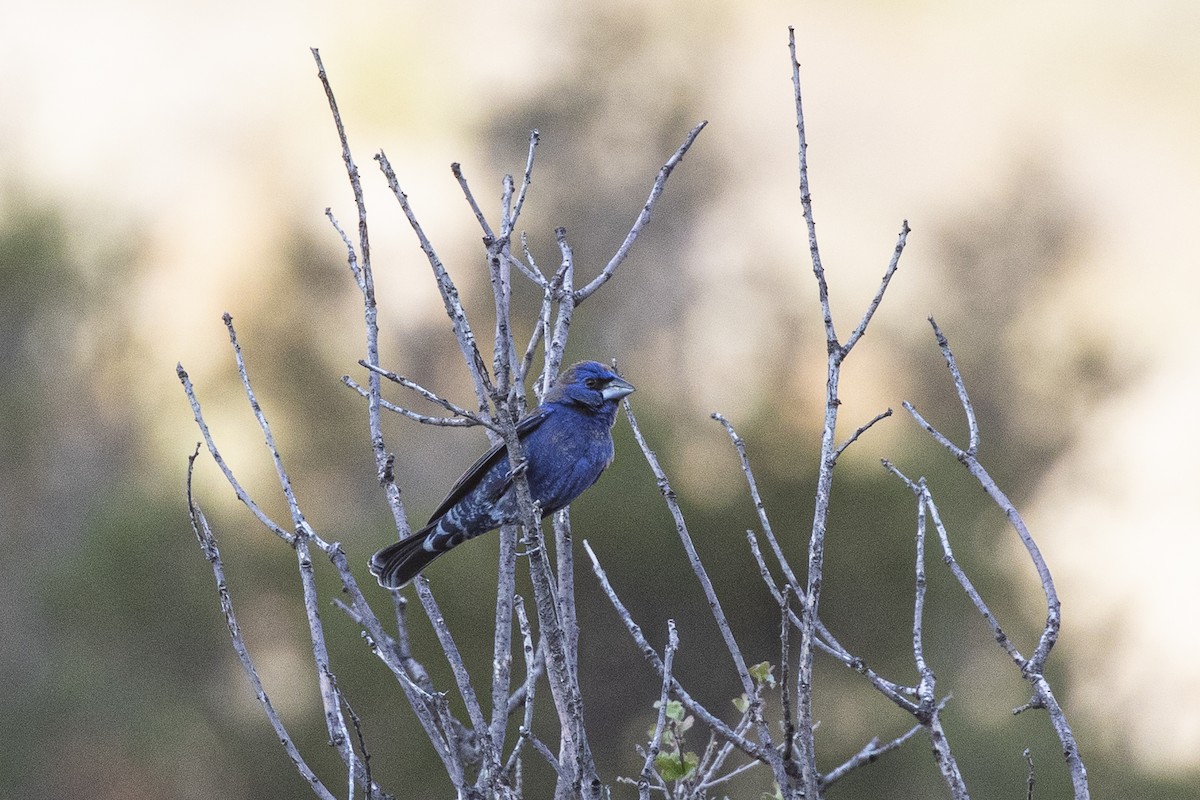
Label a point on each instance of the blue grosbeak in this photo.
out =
(568, 443)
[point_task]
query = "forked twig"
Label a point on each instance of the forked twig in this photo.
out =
(1032, 669)
(208, 544)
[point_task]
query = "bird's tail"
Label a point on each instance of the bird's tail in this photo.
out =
(398, 563)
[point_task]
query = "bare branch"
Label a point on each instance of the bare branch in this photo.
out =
(544, 752)
(456, 410)
(356, 721)
(827, 643)
(480, 217)
(648, 772)
(785, 660)
(565, 584)
(928, 713)
(479, 726)
(510, 219)
(502, 635)
(578, 774)
(854, 436)
(714, 723)
(454, 309)
(285, 482)
(351, 253)
(1031, 668)
(561, 289)
(642, 218)
(868, 755)
(208, 544)
(971, 462)
(761, 508)
(714, 603)
(960, 386)
(351, 173)
(424, 419)
(878, 298)
(538, 336)
(241, 493)
(806, 200)
(365, 279)
(335, 722)
(1029, 780)
(533, 671)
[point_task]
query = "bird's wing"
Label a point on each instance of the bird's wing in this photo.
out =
(470, 479)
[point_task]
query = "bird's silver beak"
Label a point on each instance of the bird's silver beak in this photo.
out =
(616, 389)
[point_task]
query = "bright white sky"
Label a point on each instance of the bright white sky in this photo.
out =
(204, 131)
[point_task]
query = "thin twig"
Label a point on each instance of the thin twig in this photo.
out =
(351, 253)
(789, 727)
(836, 354)
(335, 721)
(504, 356)
(830, 645)
(462, 678)
(356, 721)
(816, 544)
(733, 773)
(635, 632)
(526, 180)
(960, 575)
(1029, 781)
(878, 298)
(710, 777)
(480, 217)
(424, 419)
(360, 266)
(535, 339)
(544, 752)
(211, 443)
(648, 771)
(642, 218)
(454, 308)
(533, 671)
(565, 586)
(740, 445)
(561, 287)
(868, 755)
(208, 545)
(578, 769)
(454, 409)
(971, 462)
(502, 635)
(806, 196)
(854, 436)
(714, 603)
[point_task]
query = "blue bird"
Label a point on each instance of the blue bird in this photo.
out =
(568, 443)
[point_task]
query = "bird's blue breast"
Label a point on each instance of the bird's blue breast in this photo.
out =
(566, 455)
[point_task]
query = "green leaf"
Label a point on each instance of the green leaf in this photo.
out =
(742, 703)
(675, 766)
(762, 674)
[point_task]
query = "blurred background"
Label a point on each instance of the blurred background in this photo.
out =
(162, 165)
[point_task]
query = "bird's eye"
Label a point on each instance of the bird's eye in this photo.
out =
(592, 383)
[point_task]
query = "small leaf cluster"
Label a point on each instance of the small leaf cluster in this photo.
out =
(673, 763)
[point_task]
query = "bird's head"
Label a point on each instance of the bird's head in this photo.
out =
(589, 383)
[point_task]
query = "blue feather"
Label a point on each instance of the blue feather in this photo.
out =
(568, 444)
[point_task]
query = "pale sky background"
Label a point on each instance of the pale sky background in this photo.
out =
(202, 132)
